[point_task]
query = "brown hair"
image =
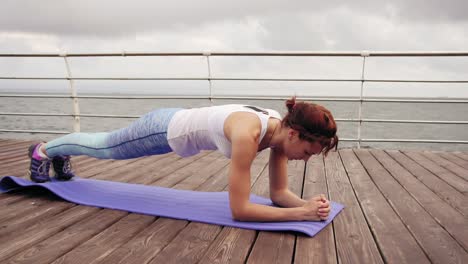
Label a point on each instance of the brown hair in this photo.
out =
(313, 122)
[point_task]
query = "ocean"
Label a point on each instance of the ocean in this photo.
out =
(340, 110)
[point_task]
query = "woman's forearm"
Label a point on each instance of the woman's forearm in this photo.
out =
(288, 199)
(264, 213)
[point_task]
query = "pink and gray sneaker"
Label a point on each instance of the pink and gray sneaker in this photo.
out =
(62, 167)
(39, 167)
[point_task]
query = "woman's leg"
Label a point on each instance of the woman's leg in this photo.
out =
(145, 136)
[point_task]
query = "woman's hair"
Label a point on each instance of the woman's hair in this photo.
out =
(313, 122)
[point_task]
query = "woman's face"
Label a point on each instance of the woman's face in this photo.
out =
(298, 149)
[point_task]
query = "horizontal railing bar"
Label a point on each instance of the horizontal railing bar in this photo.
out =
(413, 121)
(228, 79)
(453, 122)
(214, 53)
(405, 140)
(341, 139)
(415, 140)
(456, 122)
(69, 115)
(33, 114)
(104, 96)
(35, 131)
(337, 99)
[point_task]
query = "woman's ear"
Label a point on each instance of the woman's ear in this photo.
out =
(292, 134)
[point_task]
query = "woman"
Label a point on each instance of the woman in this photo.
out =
(238, 131)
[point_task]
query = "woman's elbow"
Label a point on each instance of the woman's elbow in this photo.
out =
(276, 198)
(239, 213)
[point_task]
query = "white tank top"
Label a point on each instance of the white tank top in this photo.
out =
(193, 130)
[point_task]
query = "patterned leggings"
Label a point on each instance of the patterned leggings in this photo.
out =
(146, 136)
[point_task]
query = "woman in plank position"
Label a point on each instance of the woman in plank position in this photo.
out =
(238, 131)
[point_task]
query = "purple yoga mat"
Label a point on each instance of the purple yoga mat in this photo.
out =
(205, 207)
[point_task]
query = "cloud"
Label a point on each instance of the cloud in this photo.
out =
(208, 25)
(107, 18)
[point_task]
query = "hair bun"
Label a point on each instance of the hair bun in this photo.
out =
(291, 104)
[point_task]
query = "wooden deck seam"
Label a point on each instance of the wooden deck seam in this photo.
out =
(428, 187)
(444, 190)
(372, 231)
(417, 234)
(395, 211)
(447, 164)
(448, 177)
(99, 208)
(254, 250)
(424, 206)
(257, 179)
(84, 240)
(157, 218)
(368, 239)
(333, 224)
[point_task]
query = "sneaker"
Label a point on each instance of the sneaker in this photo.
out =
(39, 167)
(63, 168)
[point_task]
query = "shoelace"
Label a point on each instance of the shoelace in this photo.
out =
(43, 168)
(67, 167)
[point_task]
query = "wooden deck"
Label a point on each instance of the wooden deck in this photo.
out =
(401, 207)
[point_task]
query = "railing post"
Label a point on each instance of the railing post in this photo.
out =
(207, 54)
(364, 54)
(76, 107)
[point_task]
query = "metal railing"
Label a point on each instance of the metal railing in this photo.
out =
(209, 78)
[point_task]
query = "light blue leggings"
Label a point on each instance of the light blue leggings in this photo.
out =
(146, 136)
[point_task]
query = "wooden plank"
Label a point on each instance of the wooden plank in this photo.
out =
(19, 171)
(115, 171)
(158, 172)
(185, 248)
(26, 237)
(443, 249)
(52, 248)
(233, 245)
(32, 209)
(13, 158)
(151, 240)
(457, 170)
(281, 242)
(454, 158)
(94, 254)
(49, 252)
(17, 209)
(16, 242)
(437, 185)
(14, 145)
(30, 204)
(213, 161)
(189, 245)
(394, 241)
(354, 240)
(30, 217)
(452, 179)
(21, 163)
(14, 152)
(321, 248)
(107, 239)
(145, 245)
(6, 199)
(196, 238)
(462, 155)
(449, 218)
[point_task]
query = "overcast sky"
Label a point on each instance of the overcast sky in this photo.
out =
(263, 25)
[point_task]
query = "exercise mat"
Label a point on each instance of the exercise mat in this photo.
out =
(205, 207)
